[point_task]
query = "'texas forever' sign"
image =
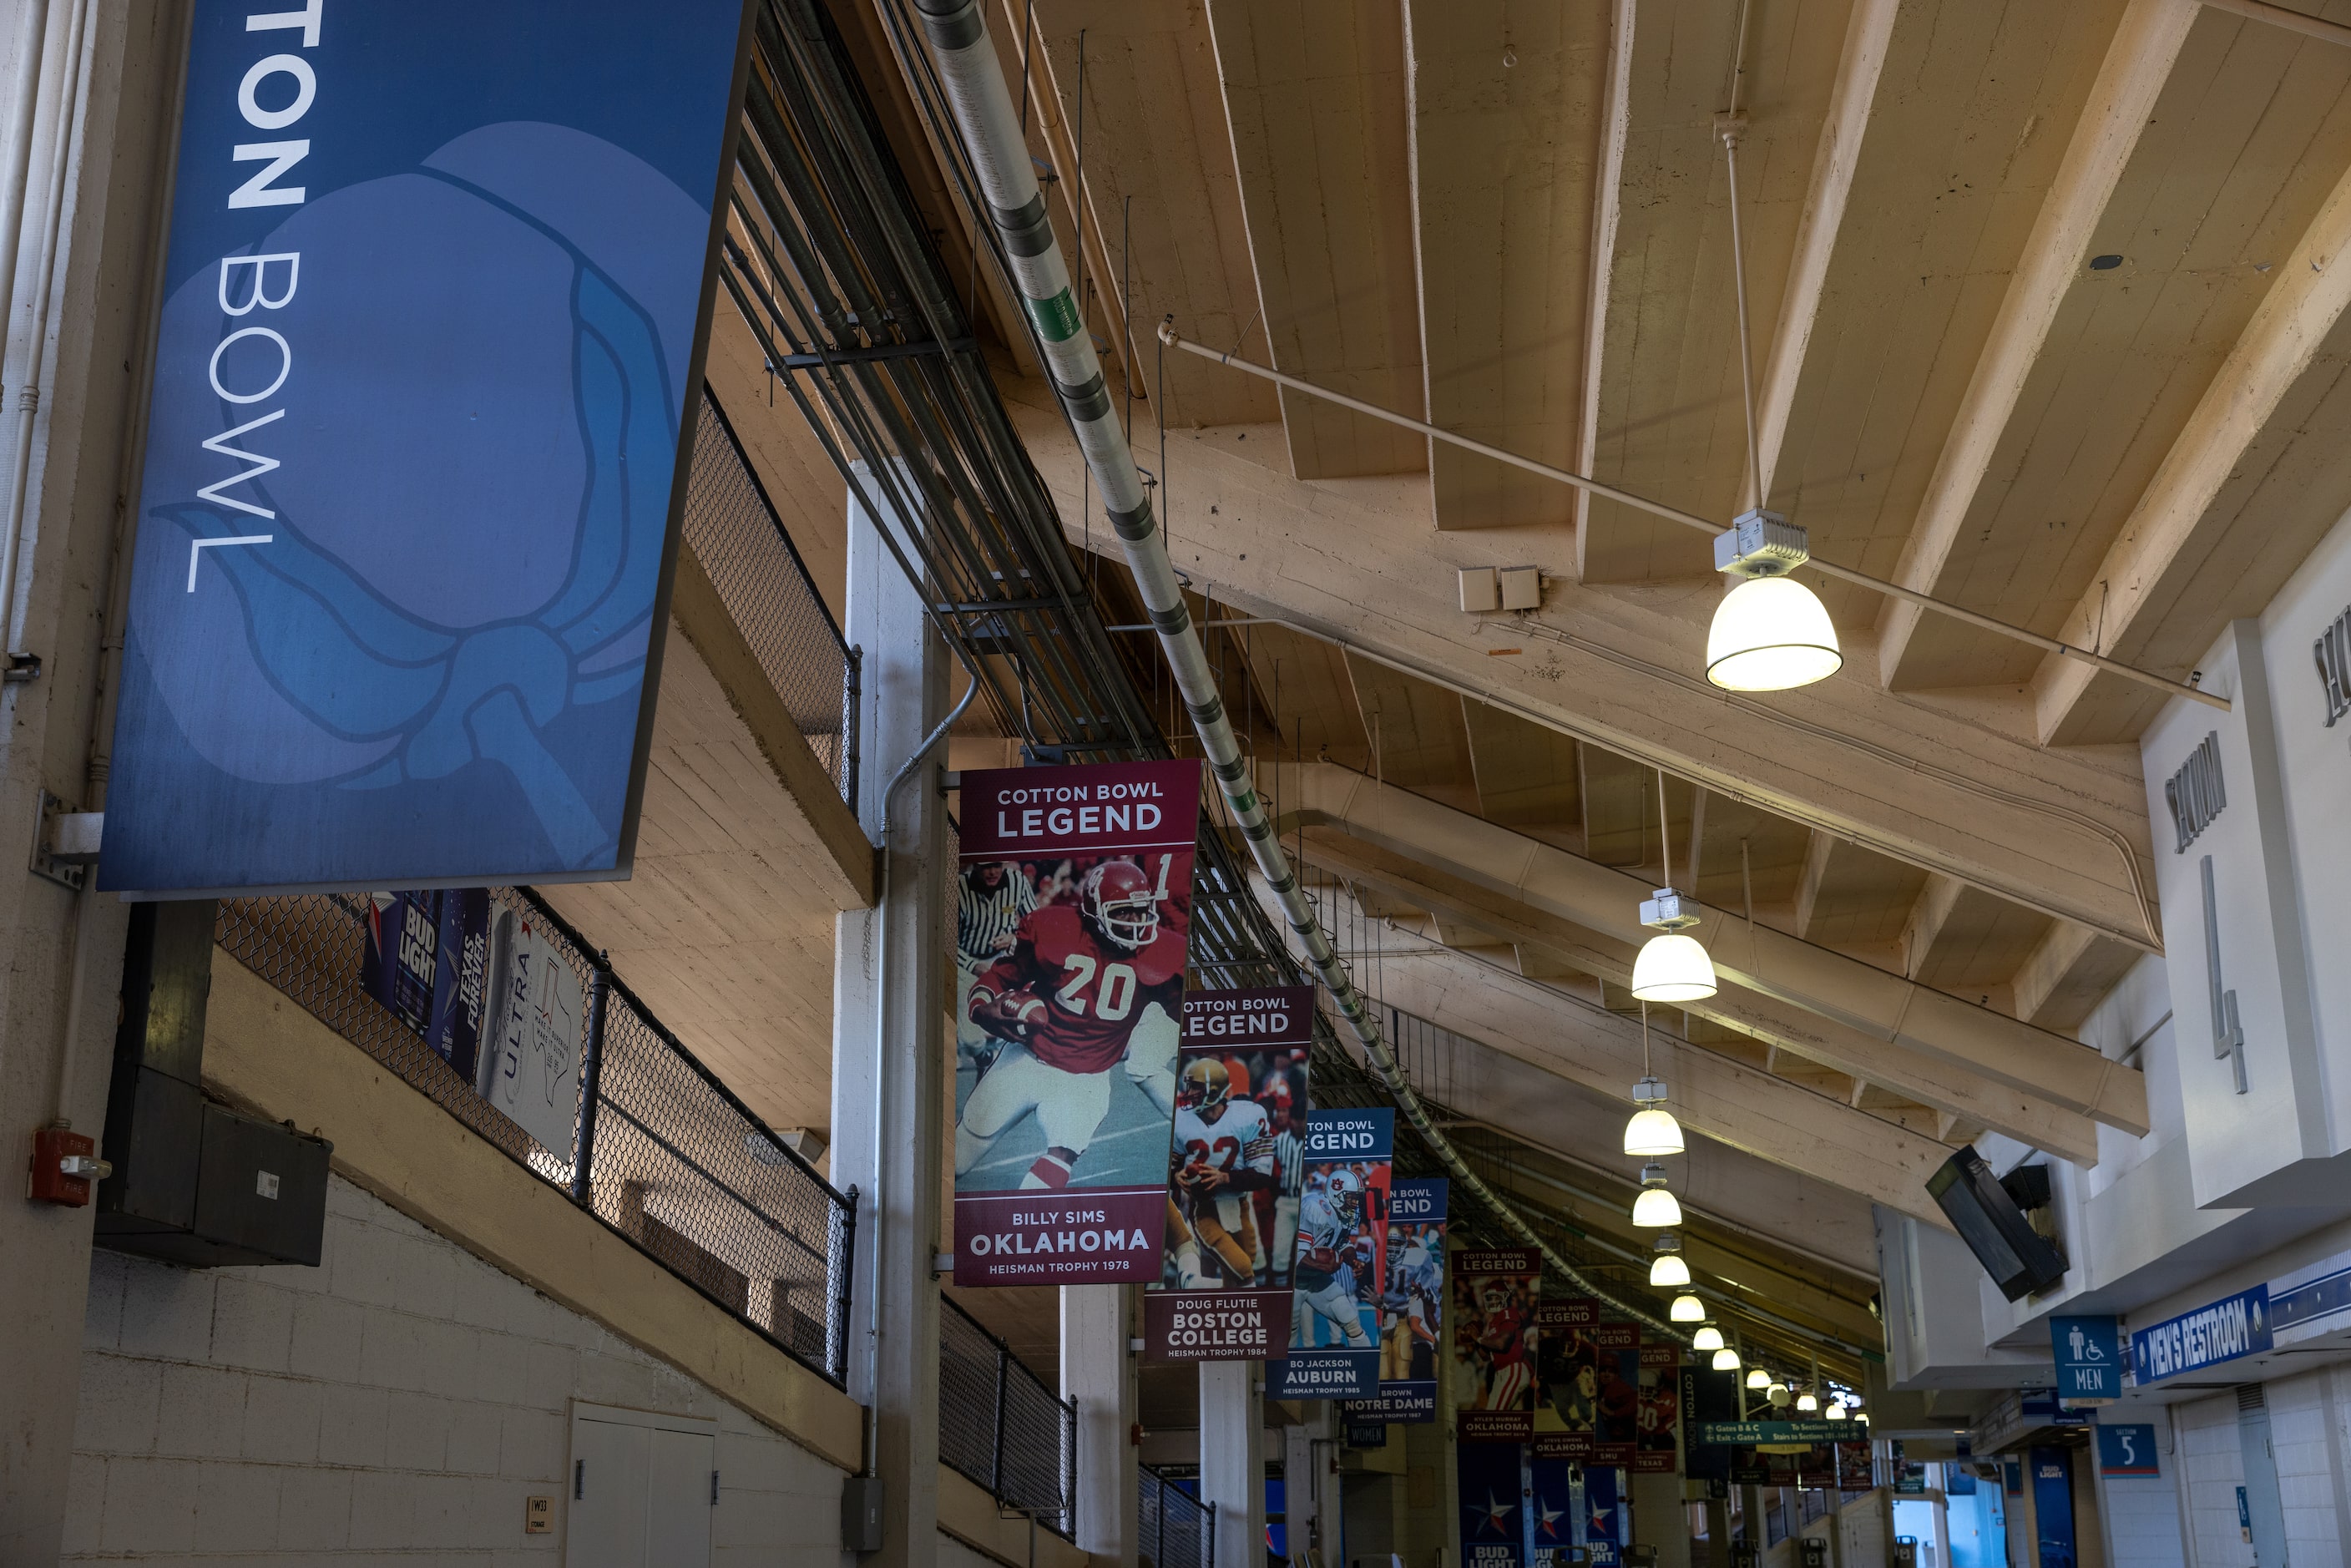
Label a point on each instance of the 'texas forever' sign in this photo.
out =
(430, 336)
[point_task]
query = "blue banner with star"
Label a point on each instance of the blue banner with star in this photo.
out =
(1493, 1531)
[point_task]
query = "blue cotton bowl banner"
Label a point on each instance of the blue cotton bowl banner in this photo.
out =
(437, 286)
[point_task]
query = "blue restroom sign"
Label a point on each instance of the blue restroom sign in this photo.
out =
(2089, 1351)
(437, 284)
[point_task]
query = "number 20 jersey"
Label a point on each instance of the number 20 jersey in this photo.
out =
(1093, 990)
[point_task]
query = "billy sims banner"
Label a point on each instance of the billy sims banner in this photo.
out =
(1343, 1236)
(1062, 1105)
(1235, 1173)
(1494, 1343)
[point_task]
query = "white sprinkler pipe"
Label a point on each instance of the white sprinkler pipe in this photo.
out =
(982, 105)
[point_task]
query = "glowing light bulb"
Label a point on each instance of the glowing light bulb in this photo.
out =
(1726, 1360)
(1686, 1309)
(1805, 1401)
(1759, 1378)
(1656, 1208)
(1771, 634)
(1668, 1271)
(1707, 1338)
(1653, 1132)
(1673, 967)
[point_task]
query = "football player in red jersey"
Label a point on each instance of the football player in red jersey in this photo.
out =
(1511, 1381)
(1088, 987)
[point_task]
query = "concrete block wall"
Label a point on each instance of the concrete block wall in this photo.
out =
(403, 1397)
(2142, 1517)
(2213, 1466)
(2301, 1411)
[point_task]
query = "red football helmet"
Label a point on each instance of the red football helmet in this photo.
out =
(1117, 900)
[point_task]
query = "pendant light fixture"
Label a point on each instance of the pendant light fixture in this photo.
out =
(1770, 632)
(1651, 1131)
(1667, 1270)
(1806, 1401)
(1670, 967)
(1656, 1209)
(1686, 1309)
(1759, 1378)
(1708, 1337)
(1836, 1412)
(1726, 1359)
(1777, 1393)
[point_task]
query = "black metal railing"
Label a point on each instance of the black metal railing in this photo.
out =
(663, 1153)
(735, 533)
(1001, 1425)
(1173, 1529)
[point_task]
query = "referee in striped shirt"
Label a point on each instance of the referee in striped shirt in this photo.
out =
(991, 900)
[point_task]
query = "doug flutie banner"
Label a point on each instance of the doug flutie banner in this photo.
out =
(1061, 1123)
(1235, 1172)
(438, 285)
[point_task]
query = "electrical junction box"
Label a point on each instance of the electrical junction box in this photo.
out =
(1480, 589)
(860, 1514)
(1521, 587)
(1760, 544)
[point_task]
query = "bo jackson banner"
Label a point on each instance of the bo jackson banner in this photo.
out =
(1062, 1106)
(1343, 1236)
(1236, 1171)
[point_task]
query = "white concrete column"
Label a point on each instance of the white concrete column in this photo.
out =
(887, 1049)
(1659, 1518)
(1232, 1458)
(1310, 1485)
(1098, 1371)
(99, 100)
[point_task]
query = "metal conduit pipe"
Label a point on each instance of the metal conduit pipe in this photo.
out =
(985, 115)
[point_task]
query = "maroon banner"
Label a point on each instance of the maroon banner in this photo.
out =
(1494, 1343)
(1235, 1173)
(1065, 1080)
(1215, 1325)
(1656, 1445)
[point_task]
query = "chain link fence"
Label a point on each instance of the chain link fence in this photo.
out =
(1001, 1425)
(734, 532)
(658, 1149)
(1173, 1528)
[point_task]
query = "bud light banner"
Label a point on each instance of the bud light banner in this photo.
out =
(433, 311)
(1236, 1174)
(1411, 1306)
(428, 961)
(1342, 1234)
(1062, 1111)
(1494, 1343)
(1493, 1493)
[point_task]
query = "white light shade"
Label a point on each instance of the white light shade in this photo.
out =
(1771, 634)
(1673, 967)
(1656, 1208)
(1759, 1378)
(1668, 1271)
(1726, 1359)
(1805, 1401)
(1686, 1309)
(1653, 1132)
(1707, 1338)
(1836, 1412)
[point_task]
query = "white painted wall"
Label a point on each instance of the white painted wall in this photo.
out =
(2213, 1466)
(402, 1396)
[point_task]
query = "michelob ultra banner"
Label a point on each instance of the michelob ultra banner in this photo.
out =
(1341, 1258)
(1411, 1306)
(1494, 1343)
(1493, 1519)
(1236, 1174)
(1061, 1117)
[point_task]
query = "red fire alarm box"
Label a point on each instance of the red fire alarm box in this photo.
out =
(65, 1164)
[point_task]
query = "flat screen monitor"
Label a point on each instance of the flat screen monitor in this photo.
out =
(2019, 1258)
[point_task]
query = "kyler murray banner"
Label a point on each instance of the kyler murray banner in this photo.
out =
(1236, 1174)
(1062, 1126)
(1494, 1343)
(1343, 1232)
(437, 286)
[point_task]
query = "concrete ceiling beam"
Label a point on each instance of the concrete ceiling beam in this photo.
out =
(2136, 65)
(1868, 1001)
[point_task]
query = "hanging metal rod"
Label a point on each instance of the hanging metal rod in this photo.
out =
(823, 356)
(1169, 335)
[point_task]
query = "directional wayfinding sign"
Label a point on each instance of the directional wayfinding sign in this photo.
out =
(430, 351)
(2089, 1359)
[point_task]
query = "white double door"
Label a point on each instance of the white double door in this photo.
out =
(644, 1487)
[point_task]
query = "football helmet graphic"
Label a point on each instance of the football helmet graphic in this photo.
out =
(1205, 1085)
(1344, 1192)
(1117, 901)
